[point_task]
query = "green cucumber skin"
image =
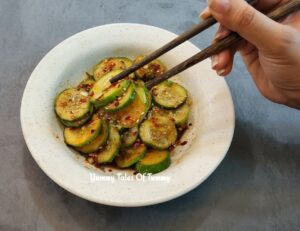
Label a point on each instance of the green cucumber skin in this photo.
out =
(128, 62)
(142, 92)
(128, 164)
(148, 98)
(93, 137)
(160, 104)
(168, 108)
(121, 104)
(181, 119)
(185, 119)
(150, 143)
(111, 158)
(116, 151)
(78, 118)
(106, 130)
(148, 75)
(133, 138)
(103, 101)
(155, 168)
(78, 123)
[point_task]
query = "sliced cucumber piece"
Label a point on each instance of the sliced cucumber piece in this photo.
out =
(154, 161)
(122, 101)
(144, 93)
(86, 84)
(98, 142)
(110, 64)
(158, 132)
(135, 112)
(81, 136)
(130, 156)
(111, 149)
(79, 122)
(169, 94)
(72, 104)
(179, 115)
(104, 92)
(129, 137)
(151, 70)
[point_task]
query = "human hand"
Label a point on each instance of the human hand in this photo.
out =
(270, 50)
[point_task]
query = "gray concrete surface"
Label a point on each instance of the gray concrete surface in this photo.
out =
(257, 187)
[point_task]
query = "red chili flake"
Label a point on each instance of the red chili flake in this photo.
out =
(127, 118)
(64, 104)
(91, 94)
(92, 155)
(154, 67)
(116, 103)
(183, 143)
(136, 144)
(154, 92)
(109, 66)
(92, 131)
(172, 147)
(82, 100)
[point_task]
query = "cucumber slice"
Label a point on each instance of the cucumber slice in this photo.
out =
(129, 137)
(151, 70)
(110, 64)
(169, 94)
(111, 149)
(79, 122)
(79, 137)
(72, 104)
(86, 84)
(154, 161)
(179, 115)
(144, 93)
(98, 142)
(130, 156)
(104, 92)
(123, 100)
(135, 112)
(158, 132)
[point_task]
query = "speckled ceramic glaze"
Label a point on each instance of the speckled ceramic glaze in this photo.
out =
(208, 139)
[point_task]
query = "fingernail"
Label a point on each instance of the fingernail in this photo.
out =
(221, 72)
(219, 6)
(214, 61)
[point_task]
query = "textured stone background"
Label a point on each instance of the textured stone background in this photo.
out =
(257, 187)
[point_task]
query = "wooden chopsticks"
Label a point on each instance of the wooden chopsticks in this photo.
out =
(276, 14)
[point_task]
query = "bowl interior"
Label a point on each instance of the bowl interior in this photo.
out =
(208, 139)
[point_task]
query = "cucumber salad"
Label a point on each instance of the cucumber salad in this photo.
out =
(124, 124)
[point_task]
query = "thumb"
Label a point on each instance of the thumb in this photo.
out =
(239, 16)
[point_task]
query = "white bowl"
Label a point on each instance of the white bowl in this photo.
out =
(209, 137)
